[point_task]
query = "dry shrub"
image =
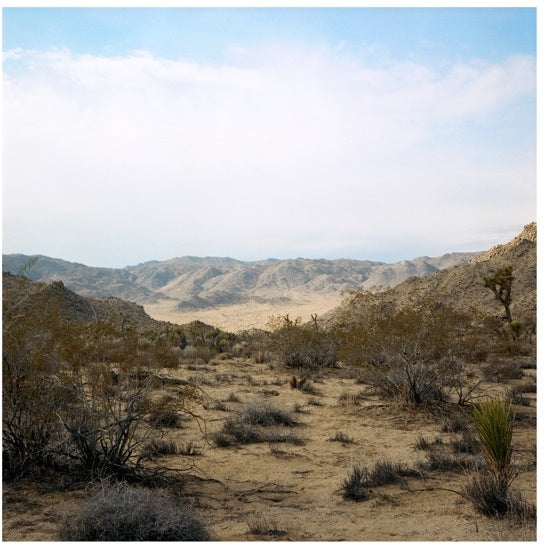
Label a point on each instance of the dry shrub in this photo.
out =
(492, 497)
(265, 414)
(302, 346)
(409, 354)
(342, 437)
(361, 479)
(76, 392)
(121, 512)
(253, 425)
(356, 485)
(502, 371)
(159, 448)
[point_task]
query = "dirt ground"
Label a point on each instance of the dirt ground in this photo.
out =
(291, 491)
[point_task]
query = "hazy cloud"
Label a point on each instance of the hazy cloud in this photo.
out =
(279, 152)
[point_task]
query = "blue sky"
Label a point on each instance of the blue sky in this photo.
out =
(411, 33)
(386, 134)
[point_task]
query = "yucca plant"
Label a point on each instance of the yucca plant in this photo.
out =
(494, 423)
(490, 491)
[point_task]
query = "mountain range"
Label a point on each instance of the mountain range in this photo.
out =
(237, 295)
(204, 282)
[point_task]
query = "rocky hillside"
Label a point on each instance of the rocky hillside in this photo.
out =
(20, 292)
(193, 283)
(461, 286)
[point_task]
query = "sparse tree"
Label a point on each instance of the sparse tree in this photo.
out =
(500, 283)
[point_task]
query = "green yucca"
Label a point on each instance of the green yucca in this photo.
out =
(494, 423)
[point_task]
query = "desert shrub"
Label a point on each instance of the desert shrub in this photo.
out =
(121, 512)
(490, 491)
(265, 414)
(309, 388)
(167, 418)
(235, 432)
(361, 479)
(502, 371)
(454, 423)
(494, 423)
(347, 399)
(31, 394)
(159, 448)
(299, 408)
(409, 354)
(76, 392)
(424, 445)
(342, 438)
(189, 449)
(492, 497)
(385, 472)
(467, 443)
(356, 485)
(515, 394)
(261, 526)
(305, 347)
(315, 402)
(233, 398)
(251, 423)
(437, 460)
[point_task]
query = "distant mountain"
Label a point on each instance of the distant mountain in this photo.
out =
(461, 286)
(202, 282)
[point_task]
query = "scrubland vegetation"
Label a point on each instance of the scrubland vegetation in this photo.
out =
(128, 417)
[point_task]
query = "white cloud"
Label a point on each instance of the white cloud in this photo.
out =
(156, 157)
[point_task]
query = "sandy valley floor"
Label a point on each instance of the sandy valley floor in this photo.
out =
(250, 315)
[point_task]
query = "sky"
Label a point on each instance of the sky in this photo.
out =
(367, 133)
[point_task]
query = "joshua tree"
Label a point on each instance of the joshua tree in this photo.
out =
(500, 284)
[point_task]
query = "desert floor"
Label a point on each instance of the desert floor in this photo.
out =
(291, 491)
(249, 315)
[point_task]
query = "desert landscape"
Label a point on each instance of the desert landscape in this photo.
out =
(269, 272)
(303, 431)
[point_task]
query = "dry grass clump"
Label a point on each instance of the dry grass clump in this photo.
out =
(233, 398)
(467, 443)
(347, 399)
(454, 423)
(159, 448)
(250, 424)
(443, 461)
(121, 512)
(342, 438)
(265, 414)
(494, 498)
(361, 479)
(356, 485)
(424, 445)
(260, 526)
